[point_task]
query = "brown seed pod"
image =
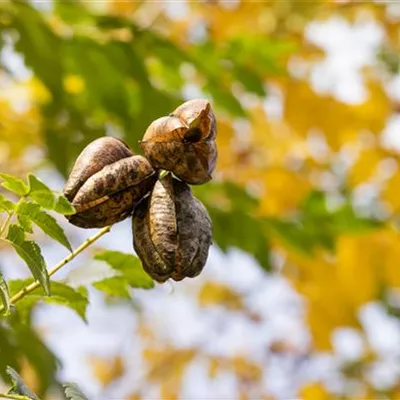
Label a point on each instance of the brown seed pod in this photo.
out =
(172, 231)
(184, 142)
(198, 112)
(94, 157)
(106, 183)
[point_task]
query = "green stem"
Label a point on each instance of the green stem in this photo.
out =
(13, 396)
(8, 219)
(6, 222)
(34, 285)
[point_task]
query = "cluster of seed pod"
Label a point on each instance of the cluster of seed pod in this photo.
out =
(172, 231)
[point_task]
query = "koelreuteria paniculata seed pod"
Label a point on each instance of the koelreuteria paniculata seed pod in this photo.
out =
(184, 142)
(172, 231)
(106, 183)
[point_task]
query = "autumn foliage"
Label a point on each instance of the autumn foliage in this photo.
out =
(306, 187)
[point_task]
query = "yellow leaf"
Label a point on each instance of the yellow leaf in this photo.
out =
(224, 23)
(320, 330)
(365, 166)
(282, 347)
(391, 272)
(359, 262)
(283, 191)
(213, 293)
(327, 308)
(246, 370)
(224, 139)
(145, 331)
(74, 84)
(391, 193)
(105, 370)
(167, 364)
(19, 128)
(305, 110)
(314, 391)
(169, 392)
(367, 261)
(39, 92)
(30, 375)
(135, 396)
(124, 8)
(213, 367)
(274, 142)
(336, 288)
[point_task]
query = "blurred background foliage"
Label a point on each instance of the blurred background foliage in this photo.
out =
(308, 179)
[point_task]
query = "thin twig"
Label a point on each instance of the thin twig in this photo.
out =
(3, 228)
(10, 215)
(13, 396)
(34, 285)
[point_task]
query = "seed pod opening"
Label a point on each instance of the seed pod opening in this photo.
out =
(105, 192)
(184, 142)
(198, 113)
(172, 231)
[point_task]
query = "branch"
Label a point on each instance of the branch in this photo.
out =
(10, 215)
(14, 396)
(34, 285)
(6, 222)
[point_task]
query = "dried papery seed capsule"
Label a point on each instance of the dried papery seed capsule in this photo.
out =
(113, 178)
(115, 209)
(106, 183)
(172, 231)
(94, 157)
(198, 113)
(110, 195)
(184, 142)
(165, 129)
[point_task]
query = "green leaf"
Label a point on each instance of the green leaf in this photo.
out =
(15, 185)
(39, 45)
(9, 348)
(31, 347)
(30, 252)
(63, 206)
(4, 294)
(44, 221)
(60, 294)
(236, 196)
(68, 296)
(40, 193)
(129, 266)
(45, 197)
(16, 234)
(233, 210)
(293, 234)
(82, 290)
(19, 342)
(254, 242)
(73, 12)
(114, 286)
(105, 60)
(225, 99)
(18, 385)
(263, 55)
(6, 205)
(250, 80)
(25, 223)
(73, 392)
(316, 225)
